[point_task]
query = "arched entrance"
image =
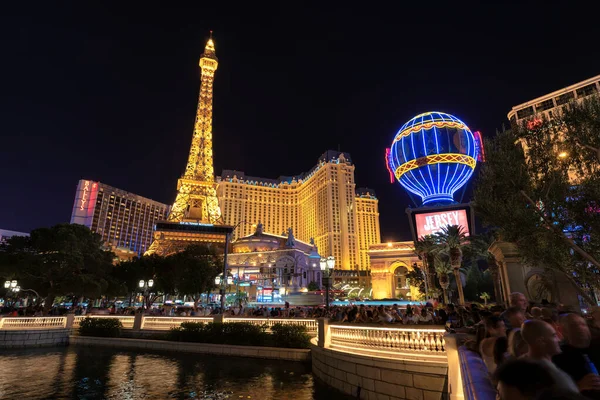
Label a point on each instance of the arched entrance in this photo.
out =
(400, 286)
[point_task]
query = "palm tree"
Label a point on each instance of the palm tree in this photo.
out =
(451, 240)
(442, 269)
(485, 296)
(425, 247)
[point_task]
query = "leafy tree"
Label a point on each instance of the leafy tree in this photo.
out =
(312, 286)
(416, 279)
(64, 260)
(485, 296)
(196, 268)
(540, 187)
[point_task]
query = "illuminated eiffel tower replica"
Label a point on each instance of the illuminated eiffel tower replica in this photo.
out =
(195, 215)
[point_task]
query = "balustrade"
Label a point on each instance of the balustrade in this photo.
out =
(166, 323)
(411, 343)
(126, 320)
(25, 323)
(311, 324)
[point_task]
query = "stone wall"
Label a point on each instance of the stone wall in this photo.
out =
(221, 349)
(371, 378)
(10, 339)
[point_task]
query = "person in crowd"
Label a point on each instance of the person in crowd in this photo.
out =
(425, 317)
(517, 347)
(543, 344)
(487, 336)
(578, 358)
(515, 317)
(594, 323)
(524, 379)
(517, 300)
(536, 312)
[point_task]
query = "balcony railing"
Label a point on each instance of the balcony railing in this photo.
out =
(422, 343)
(26, 323)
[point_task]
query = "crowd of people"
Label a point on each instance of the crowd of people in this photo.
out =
(540, 352)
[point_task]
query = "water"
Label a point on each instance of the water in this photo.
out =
(101, 373)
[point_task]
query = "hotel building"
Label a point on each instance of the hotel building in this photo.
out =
(551, 104)
(124, 220)
(323, 204)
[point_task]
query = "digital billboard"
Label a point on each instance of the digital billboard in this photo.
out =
(433, 222)
(430, 220)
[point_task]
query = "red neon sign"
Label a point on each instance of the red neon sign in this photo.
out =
(387, 164)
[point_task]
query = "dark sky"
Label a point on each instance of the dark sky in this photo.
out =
(108, 90)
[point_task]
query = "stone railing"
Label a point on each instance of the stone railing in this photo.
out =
(166, 323)
(142, 322)
(311, 324)
(426, 343)
(126, 320)
(26, 323)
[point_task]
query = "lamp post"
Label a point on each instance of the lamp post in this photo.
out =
(219, 281)
(222, 283)
(12, 286)
(145, 286)
(327, 266)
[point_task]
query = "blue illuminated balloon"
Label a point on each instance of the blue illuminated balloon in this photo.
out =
(433, 155)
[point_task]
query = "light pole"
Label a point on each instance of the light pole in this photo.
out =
(327, 266)
(145, 286)
(219, 281)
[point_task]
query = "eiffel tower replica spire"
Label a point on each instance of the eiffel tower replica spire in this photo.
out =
(196, 204)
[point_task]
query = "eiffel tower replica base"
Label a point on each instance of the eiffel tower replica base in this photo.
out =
(173, 237)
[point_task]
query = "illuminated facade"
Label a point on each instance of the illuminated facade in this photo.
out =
(552, 104)
(432, 156)
(124, 220)
(196, 208)
(323, 204)
(273, 265)
(390, 263)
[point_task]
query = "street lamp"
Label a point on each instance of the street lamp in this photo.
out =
(145, 286)
(327, 266)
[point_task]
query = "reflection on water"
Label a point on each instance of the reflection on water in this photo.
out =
(100, 373)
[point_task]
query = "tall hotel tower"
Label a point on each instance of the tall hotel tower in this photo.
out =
(124, 220)
(322, 204)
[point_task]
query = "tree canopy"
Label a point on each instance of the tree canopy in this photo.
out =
(540, 188)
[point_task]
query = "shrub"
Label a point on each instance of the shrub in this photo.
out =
(104, 327)
(242, 333)
(290, 336)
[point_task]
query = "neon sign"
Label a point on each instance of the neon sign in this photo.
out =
(84, 196)
(387, 164)
(479, 146)
(433, 155)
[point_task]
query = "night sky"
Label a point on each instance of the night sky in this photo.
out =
(108, 91)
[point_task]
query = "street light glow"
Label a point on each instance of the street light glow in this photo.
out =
(563, 154)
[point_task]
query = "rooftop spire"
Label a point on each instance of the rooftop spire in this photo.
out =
(209, 49)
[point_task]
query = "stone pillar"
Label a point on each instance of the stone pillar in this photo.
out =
(137, 322)
(218, 319)
(324, 332)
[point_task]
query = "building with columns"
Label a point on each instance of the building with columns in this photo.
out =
(323, 204)
(274, 265)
